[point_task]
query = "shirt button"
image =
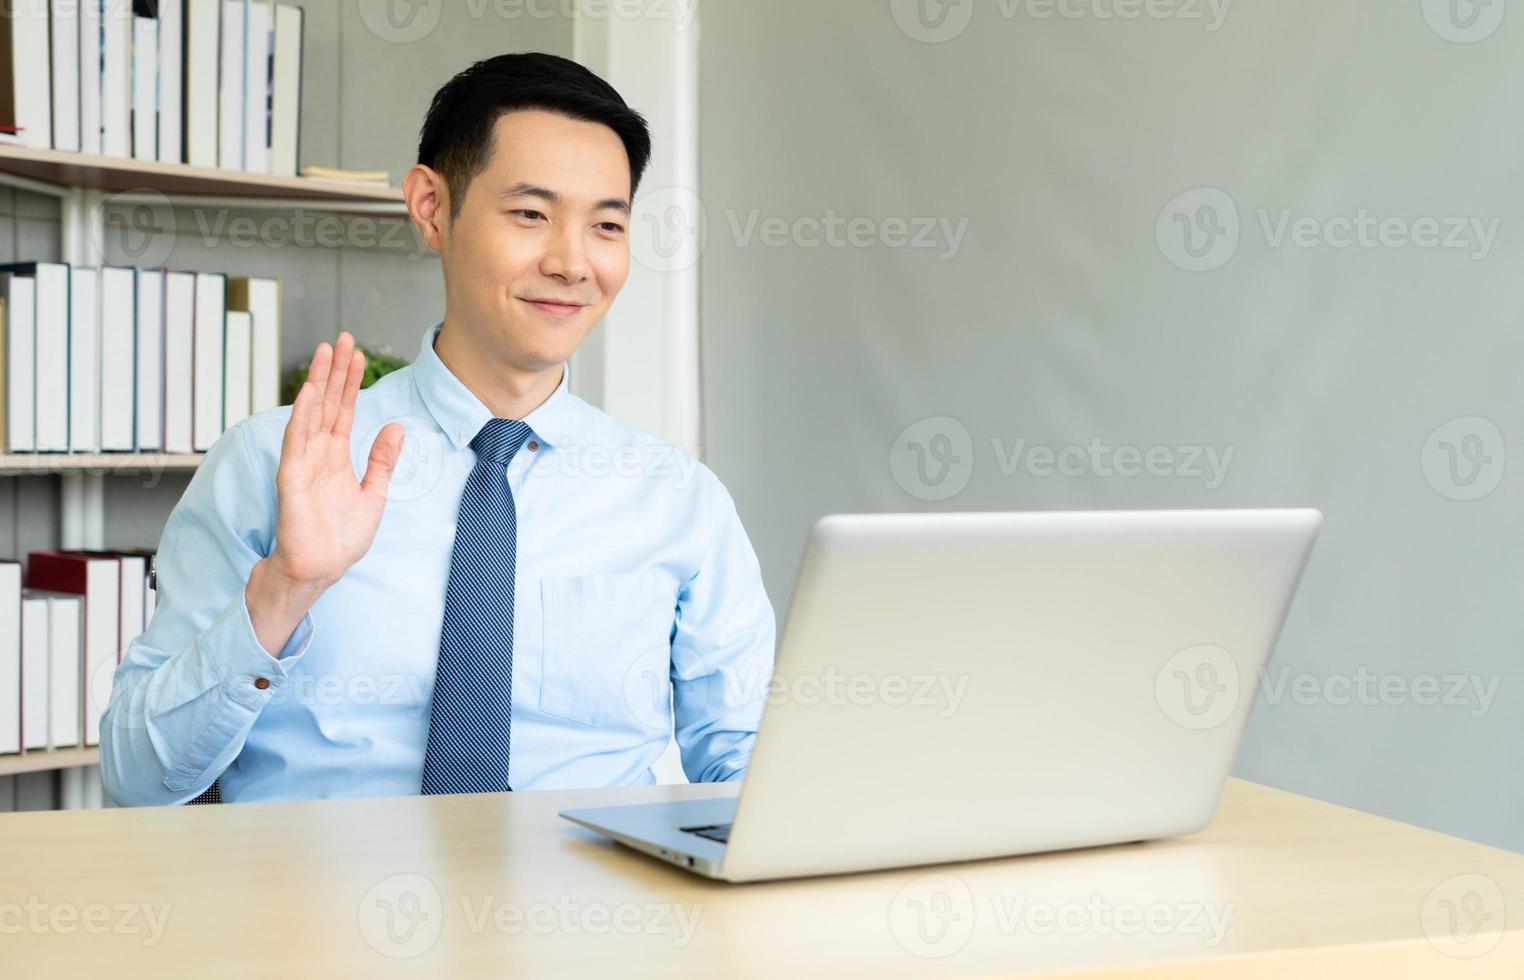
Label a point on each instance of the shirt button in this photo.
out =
(533, 445)
(262, 682)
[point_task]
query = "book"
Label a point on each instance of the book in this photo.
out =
(36, 664)
(256, 87)
(236, 351)
(207, 400)
(66, 77)
(286, 90)
(20, 295)
(260, 298)
(118, 288)
(96, 578)
(316, 172)
(116, 78)
(90, 41)
(202, 30)
(179, 338)
(10, 657)
(51, 347)
(26, 81)
(132, 583)
(230, 81)
(84, 361)
(149, 381)
(171, 80)
(66, 673)
(145, 88)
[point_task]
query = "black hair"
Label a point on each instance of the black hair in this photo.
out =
(458, 130)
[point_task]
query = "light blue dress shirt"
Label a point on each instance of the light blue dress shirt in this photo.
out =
(639, 611)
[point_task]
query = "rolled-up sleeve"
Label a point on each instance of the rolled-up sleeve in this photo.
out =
(722, 646)
(192, 685)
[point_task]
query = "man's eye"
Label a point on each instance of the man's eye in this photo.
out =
(612, 227)
(531, 215)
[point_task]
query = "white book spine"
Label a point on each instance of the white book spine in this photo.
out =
(84, 362)
(36, 664)
(103, 632)
(211, 314)
(118, 364)
(10, 657)
(236, 368)
(171, 88)
(116, 79)
(149, 383)
(21, 364)
(145, 88)
(285, 89)
(52, 396)
(230, 82)
(65, 658)
(134, 581)
(32, 83)
(65, 36)
(179, 327)
(203, 41)
(90, 40)
(264, 366)
(256, 88)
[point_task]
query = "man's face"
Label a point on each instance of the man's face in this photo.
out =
(540, 248)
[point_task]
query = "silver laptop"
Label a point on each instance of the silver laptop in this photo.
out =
(960, 686)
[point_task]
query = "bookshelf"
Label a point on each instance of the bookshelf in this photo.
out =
(59, 170)
(25, 464)
(42, 760)
(83, 184)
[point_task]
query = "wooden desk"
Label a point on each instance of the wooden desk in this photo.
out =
(498, 885)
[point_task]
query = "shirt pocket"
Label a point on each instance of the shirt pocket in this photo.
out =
(607, 649)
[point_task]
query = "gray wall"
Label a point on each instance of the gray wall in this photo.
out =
(365, 89)
(1069, 313)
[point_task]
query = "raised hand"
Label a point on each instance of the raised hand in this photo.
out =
(326, 518)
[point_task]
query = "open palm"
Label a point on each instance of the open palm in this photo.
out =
(327, 518)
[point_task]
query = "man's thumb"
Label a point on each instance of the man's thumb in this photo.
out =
(383, 458)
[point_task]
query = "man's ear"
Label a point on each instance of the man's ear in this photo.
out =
(428, 204)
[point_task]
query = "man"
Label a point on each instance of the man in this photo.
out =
(464, 578)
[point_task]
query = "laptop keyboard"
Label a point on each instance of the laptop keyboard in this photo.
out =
(715, 831)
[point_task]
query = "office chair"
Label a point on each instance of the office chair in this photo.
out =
(213, 794)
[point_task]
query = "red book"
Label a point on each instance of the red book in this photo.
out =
(97, 578)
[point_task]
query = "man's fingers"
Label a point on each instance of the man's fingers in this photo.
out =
(338, 374)
(383, 458)
(345, 421)
(317, 376)
(295, 441)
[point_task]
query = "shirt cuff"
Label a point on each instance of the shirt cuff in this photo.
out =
(250, 676)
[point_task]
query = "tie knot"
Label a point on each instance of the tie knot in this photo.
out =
(499, 439)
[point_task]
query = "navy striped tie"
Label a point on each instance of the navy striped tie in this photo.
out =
(473, 687)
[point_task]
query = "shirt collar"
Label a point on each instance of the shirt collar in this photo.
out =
(461, 414)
